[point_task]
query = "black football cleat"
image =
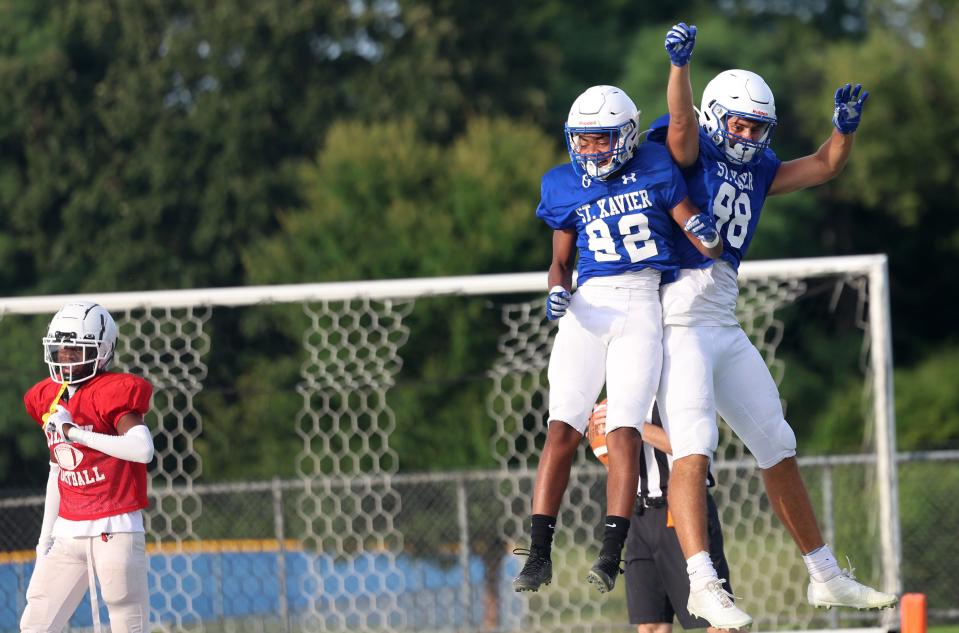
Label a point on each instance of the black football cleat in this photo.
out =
(603, 573)
(537, 571)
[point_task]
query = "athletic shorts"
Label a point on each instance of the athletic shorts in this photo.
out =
(612, 335)
(717, 369)
(657, 585)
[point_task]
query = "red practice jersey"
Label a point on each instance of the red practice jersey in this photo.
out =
(94, 485)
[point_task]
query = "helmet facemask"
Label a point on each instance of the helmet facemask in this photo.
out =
(602, 164)
(740, 149)
(70, 360)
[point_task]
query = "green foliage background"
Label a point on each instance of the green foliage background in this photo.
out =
(174, 144)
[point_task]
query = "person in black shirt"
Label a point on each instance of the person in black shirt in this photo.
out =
(657, 586)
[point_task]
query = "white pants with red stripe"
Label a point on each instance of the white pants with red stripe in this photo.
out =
(60, 580)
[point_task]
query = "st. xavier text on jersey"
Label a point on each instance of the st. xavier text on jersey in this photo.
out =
(615, 205)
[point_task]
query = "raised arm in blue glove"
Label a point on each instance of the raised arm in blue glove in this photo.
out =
(680, 41)
(848, 112)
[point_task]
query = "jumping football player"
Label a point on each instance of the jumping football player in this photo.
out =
(614, 203)
(99, 448)
(709, 364)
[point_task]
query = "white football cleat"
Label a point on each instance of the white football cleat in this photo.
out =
(715, 605)
(845, 591)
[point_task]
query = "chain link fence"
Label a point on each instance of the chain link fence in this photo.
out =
(251, 568)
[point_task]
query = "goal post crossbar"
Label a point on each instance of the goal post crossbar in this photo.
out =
(393, 288)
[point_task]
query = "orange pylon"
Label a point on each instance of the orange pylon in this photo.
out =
(912, 610)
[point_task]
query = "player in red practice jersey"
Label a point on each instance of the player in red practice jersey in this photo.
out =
(99, 449)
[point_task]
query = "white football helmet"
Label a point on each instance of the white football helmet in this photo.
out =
(743, 94)
(86, 335)
(602, 110)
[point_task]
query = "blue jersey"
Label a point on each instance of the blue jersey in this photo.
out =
(622, 223)
(733, 193)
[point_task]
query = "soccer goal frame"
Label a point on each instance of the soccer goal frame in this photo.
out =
(185, 314)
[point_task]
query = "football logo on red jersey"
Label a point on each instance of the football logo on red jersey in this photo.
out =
(67, 456)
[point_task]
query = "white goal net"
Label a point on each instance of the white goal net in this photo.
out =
(347, 379)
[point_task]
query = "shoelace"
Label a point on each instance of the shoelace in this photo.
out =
(534, 563)
(716, 588)
(849, 572)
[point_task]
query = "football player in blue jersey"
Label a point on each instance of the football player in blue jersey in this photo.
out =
(709, 364)
(615, 203)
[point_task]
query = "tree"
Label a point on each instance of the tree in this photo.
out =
(897, 192)
(144, 140)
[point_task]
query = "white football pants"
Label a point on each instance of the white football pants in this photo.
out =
(611, 335)
(710, 369)
(60, 580)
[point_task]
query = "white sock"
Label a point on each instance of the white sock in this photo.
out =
(700, 569)
(821, 564)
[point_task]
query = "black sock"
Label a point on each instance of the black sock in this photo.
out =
(541, 534)
(614, 535)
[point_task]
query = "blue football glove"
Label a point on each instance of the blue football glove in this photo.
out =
(680, 41)
(848, 110)
(704, 228)
(557, 302)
